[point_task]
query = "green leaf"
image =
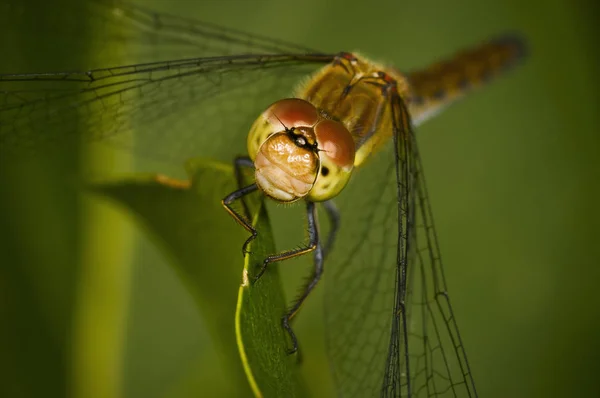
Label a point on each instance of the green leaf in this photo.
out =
(203, 244)
(261, 337)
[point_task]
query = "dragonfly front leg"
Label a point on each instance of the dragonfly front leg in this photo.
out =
(238, 164)
(314, 245)
(243, 221)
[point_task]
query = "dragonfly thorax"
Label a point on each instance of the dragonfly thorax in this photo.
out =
(300, 153)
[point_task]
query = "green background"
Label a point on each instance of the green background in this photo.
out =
(90, 308)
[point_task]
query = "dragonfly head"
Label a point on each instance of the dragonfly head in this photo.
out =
(298, 153)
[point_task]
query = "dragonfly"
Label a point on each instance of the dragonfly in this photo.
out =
(342, 140)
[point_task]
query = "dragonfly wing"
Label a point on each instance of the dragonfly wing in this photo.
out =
(165, 36)
(179, 109)
(390, 328)
(169, 32)
(360, 271)
(438, 361)
(102, 24)
(184, 107)
(439, 364)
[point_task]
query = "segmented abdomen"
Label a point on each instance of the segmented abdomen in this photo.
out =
(442, 83)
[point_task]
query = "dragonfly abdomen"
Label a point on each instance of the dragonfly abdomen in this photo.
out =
(440, 84)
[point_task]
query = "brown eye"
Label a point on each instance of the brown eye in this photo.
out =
(336, 143)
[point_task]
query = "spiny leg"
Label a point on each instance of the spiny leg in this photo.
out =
(245, 222)
(312, 244)
(313, 232)
(333, 214)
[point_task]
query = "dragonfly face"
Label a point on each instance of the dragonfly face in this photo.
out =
(313, 157)
(390, 327)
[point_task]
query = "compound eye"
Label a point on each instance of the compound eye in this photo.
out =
(291, 113)
(286, 114)
(336, 154)
(336, 143)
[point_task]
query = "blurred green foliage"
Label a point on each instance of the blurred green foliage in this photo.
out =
(178, 216)
(169, 212)
(90, 308)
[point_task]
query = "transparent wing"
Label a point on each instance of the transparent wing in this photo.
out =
(157, 36)
(439, 365)
(390, 328)
(168, 36)
(178, 108)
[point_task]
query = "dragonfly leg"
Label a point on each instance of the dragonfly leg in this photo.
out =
(312, 244)
(239, 163)
(243, 221)
(319, 256)
(334, 224)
